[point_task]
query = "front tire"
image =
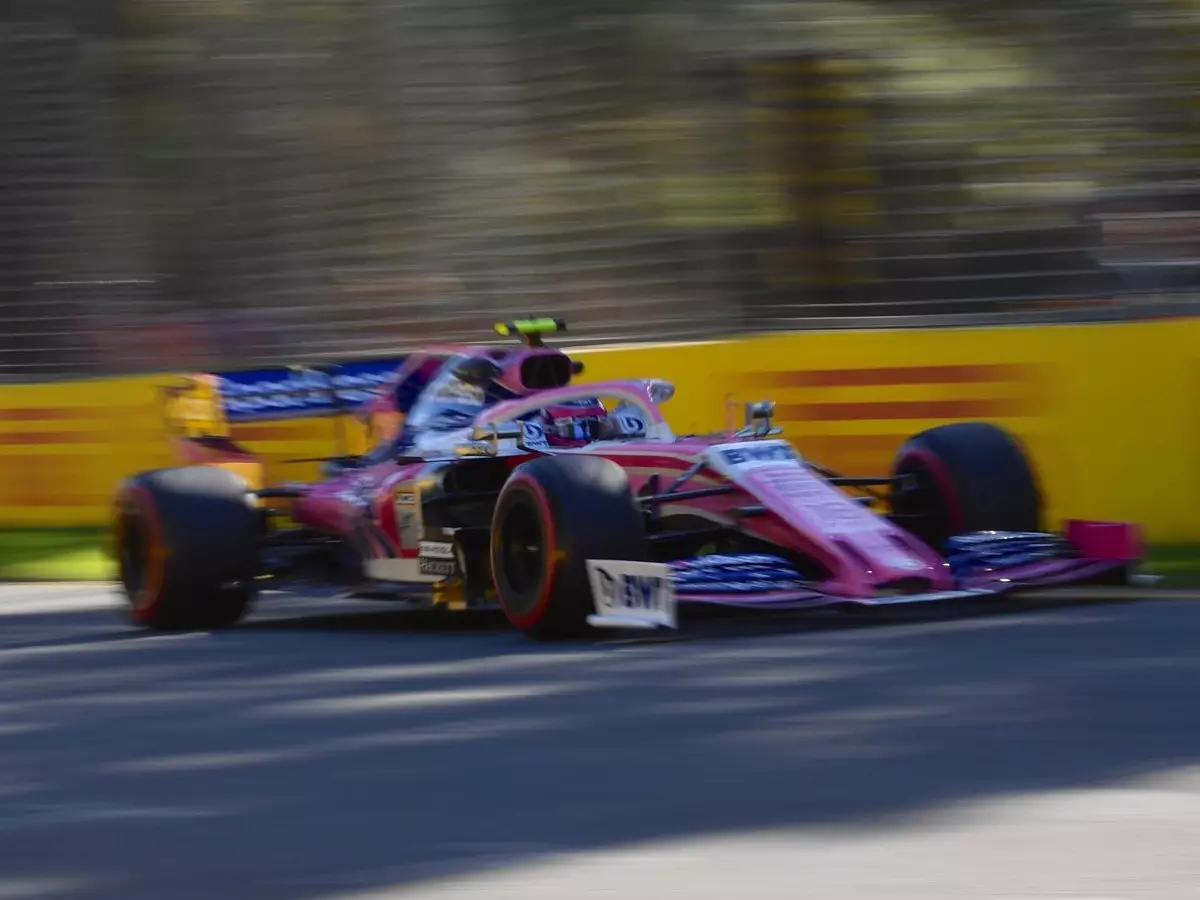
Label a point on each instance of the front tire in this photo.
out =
(553, 514)
(186, 546)
(968, 476)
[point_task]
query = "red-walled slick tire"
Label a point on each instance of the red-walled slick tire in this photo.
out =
(554, 514)
(964, 477)
(186, 547)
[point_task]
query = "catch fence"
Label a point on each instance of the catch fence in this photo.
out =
(227, 183)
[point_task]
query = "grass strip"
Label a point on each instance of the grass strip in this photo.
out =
(79, 554)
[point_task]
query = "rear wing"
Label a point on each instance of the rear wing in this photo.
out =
(208, 404)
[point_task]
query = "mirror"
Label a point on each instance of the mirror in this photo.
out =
(478, 370)
(763, 409)
(758, 420)
(660, 391)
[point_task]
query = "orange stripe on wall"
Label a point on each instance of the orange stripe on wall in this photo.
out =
(849, 443)
(853, 454)
(36, 414)
(895, 375)
(27, 438)
(902, 409)
(36, 499)
(245, 433)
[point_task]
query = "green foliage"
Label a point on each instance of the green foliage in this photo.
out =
(54, 555)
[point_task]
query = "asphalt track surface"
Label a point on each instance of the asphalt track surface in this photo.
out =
(1052, 753)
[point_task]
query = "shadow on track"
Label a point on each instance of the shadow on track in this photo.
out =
(302, 756)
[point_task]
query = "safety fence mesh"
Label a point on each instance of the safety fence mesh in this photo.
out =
(218, 183)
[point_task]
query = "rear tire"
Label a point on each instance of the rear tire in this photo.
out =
(553, 514)
(186, 545)
(968, 476)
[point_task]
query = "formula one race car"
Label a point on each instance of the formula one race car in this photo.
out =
(502, 483)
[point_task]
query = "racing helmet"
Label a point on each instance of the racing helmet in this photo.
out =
(574, 424)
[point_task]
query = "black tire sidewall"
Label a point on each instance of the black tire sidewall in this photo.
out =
(203, 518)
(525, 608)
(983, 477)
(585, 510)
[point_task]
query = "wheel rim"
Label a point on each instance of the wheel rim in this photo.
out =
(522, 553)
(920, 508)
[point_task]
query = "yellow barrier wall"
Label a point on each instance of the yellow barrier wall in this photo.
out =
(66, 446)
(63, 447)
(1111, 413)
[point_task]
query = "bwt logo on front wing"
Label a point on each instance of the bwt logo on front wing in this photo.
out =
(627, 592)
(630, 591)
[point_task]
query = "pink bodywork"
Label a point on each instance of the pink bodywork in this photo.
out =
(864, 551)
(364, 500)
(356, 500)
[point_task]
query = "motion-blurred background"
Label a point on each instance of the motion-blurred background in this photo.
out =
(220, 183)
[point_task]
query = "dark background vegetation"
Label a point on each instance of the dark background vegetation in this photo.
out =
(232, 182)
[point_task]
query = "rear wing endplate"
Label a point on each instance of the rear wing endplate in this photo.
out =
(207, 404)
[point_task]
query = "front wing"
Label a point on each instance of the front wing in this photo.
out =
(984, 564)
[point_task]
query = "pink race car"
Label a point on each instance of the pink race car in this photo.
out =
(575, 506)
